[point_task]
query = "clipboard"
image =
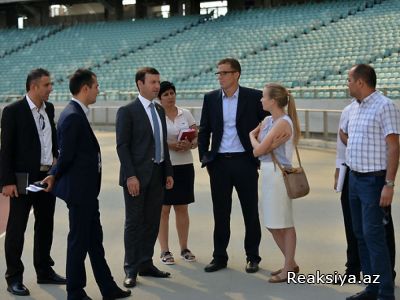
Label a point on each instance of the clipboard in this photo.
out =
(22, 182)
(342, 175)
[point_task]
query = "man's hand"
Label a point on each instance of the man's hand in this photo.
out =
(133, 186)
(386, 196)
(10, 190)
(50, 183)
(169, 183)
(336, 177)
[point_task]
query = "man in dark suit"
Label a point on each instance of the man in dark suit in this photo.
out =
(228, 115)
(29, 147)
(77, 176)
(145, 169)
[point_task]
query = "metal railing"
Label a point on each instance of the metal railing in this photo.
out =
(315, 123)
(392, 92)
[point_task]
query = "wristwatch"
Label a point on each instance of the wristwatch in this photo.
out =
(389, 183)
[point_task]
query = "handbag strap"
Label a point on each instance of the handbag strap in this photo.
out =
(277, 162)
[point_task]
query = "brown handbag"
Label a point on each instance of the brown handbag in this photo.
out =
(295, 178)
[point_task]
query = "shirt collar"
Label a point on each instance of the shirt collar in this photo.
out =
(145, 102)
(32, 105)
(368, 98)
(235, 94)
(83, 106)
(180, 111)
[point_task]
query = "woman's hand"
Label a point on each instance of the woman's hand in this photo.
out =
(184, 145)
(255, 132)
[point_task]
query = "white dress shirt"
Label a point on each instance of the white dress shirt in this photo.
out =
(230, 141)
(340, 146)
(146, 104)
(44, 132)
(83, 106)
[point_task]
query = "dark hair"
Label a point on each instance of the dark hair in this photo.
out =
(165, 86)
(80, 78)
(141, 74)
(35, 74)
(366, 73)
(234, 63)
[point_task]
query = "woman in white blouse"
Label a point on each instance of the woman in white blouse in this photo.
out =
(182, 193)
(277, 134)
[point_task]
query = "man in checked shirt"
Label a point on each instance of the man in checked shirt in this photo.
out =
(372, 156)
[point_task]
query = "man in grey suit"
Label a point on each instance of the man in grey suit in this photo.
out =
(145, 169)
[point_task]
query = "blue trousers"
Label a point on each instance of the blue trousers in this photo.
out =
(368, 226)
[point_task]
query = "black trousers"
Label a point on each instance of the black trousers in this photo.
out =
(353, 265)
(241, 173)
(43, 208)
(142, 221)
(86, 237)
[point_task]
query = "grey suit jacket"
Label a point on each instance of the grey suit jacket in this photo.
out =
(135, 143)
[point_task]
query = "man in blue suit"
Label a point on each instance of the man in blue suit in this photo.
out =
(77, 177)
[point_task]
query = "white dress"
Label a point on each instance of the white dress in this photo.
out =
(276, 206)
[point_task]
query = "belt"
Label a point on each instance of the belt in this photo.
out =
(44, 168)
(231, 154)
(376, 173)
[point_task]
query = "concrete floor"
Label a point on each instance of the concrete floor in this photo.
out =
(320, 232)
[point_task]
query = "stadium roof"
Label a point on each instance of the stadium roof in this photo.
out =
(15, 1)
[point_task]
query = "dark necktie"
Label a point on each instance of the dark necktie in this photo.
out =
(156, 133)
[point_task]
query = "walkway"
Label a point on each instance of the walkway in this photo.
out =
(321, 244)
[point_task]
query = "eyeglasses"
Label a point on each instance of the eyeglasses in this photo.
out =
(42, 123)
(223, 73)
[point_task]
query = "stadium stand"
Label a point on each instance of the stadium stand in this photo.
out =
(86, 45)
(307, 47)
(13, 40)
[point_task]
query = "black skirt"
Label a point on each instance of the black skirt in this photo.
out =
(183, 190)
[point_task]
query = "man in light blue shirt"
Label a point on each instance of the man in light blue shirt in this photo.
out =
(228, 115)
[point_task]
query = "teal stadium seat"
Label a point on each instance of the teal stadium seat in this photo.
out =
(308, 46)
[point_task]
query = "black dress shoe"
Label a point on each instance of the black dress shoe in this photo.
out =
(364, 295)
(214, 266)
(18, 288)
(53, 278)
(252, 267)
(154, 272)
(117, 294)
(130, 282)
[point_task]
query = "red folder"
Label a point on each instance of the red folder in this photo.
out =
(188, 134)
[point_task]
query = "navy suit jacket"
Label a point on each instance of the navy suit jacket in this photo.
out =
(248, 115)
(78, 168)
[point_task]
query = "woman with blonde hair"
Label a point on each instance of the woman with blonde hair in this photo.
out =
(277, 134)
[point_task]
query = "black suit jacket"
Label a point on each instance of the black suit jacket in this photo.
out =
(249, 114)
(135, 143)
(78, 168)
(20, 143)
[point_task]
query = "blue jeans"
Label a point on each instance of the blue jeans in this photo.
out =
(368, 226)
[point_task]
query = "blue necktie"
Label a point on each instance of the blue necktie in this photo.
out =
(156, 133)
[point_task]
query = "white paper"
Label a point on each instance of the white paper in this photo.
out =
(34, 188)
(342, 175)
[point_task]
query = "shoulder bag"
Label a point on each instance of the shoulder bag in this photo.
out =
(295, 178)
